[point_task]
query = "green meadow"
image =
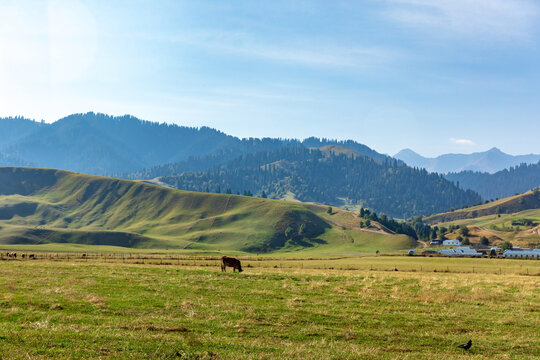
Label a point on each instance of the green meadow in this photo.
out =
(276, 308)
(43, 206)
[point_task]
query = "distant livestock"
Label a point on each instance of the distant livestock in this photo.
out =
(13, 255)
(230, 262)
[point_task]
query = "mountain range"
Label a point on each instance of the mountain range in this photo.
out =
(504, 183)
(489, 161)
(332, 175)
(100, 144)
(206, 159)
(105, 145)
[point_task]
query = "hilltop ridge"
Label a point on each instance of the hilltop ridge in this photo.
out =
(40, 206)
(125, 146)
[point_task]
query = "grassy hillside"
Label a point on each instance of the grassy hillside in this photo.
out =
(509, 205)
(515, 219)
(41, 206)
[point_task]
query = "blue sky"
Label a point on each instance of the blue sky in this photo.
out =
(436, 76)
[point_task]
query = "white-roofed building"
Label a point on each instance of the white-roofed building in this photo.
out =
(525, 254)
(460, 251)
(451, 243)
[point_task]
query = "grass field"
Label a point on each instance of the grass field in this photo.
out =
(277, 308)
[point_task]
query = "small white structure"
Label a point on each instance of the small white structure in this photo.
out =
(525, 254)
(451, 242)
(460, 251)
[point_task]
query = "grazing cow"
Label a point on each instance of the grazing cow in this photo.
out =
(231, 262)
(23, 256)
(31, 256)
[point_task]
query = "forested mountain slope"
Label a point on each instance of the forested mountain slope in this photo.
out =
(128, 147)
(13, 129)
(515, 180)
(324, 176)
(102, 144)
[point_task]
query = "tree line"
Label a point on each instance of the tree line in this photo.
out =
(313, 175)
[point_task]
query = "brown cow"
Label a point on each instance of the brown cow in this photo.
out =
(231, 262)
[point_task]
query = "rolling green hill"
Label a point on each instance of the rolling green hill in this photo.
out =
(42, 206)
(515, 219)
(509, 205)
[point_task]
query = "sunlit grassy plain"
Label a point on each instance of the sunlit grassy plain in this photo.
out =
(184, 307)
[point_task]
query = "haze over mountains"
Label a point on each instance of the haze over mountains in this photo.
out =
(105, 145)
(489, 161)
(504, 183)
(339, 173)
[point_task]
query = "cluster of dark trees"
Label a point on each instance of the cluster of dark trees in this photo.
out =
(399, 227)
(324, 177)
(504, 183)
(426, 232)
(414, 227)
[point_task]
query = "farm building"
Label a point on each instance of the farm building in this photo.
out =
(460, 251)
(452, 243)
(534, 254)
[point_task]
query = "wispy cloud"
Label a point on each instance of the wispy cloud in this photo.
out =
(300, 52)
(462, 142)
(504, 19)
